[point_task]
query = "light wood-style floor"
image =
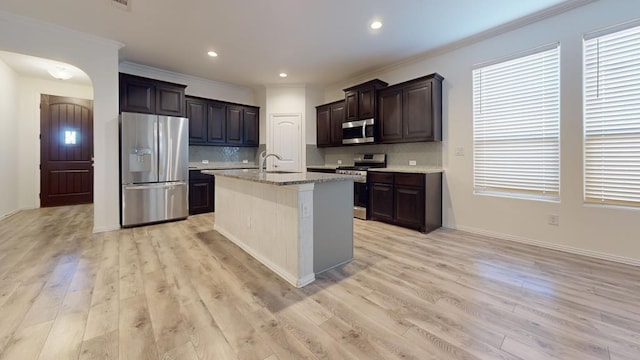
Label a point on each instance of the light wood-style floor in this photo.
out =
(181, 291)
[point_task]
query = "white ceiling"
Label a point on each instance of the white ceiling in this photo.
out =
(36, 67)
(316, 42)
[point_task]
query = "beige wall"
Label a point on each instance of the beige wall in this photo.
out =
(28, 149)
(600, 231)
(99, 59)
(8, 140)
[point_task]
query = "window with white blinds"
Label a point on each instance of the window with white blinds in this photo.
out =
(516, 126)
(612, 118)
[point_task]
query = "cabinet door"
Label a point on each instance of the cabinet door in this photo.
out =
(234, 125)
(169, 100)
(390, 116)
(201, 196)
(417, 112)
(351, 105)
(323, 126)
(251, 127)
(337, 118)
(217, 124)
(137, 95)
(433, 201)
(197, 114)
(381, 202)
(409, 206)
(367, 103)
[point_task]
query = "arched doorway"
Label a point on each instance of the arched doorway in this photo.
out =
(32, 79)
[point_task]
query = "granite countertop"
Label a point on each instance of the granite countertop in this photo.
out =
(409, 169)
(221, 166)
(280, 179)
(322, 167)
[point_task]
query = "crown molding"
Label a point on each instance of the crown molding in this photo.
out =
(176, 77)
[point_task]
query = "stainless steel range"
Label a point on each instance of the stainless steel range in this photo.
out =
(361, 163)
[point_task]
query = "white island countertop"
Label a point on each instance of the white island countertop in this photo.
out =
(280, 178)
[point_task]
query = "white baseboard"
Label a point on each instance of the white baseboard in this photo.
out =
(9, 214)
(547, 245)
(288, 277)
(99, 229)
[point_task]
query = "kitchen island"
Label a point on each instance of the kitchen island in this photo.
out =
(296, 224)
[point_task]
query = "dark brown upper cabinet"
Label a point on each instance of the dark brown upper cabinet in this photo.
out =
(323, 125)
(390, 115)
(234, 125)
(197, 114)
(150, 96)
(329, 123)
(214, 122)
(360, 100)
(251, 126)
(411, 111)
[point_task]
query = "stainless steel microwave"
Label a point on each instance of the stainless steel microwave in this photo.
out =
(358, 132)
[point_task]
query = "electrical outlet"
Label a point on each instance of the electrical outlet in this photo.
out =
(245, 161)
(459, 151)
(205, 161)
(306, 210)
(412, 162)
(339, 162)
(554, 219)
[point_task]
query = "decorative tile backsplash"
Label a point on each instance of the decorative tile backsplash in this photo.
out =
(222, 154)
(424, 153)
(315, 155)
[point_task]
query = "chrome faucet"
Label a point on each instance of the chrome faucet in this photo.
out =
(263, 158)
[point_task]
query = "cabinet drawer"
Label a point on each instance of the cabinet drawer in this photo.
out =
(197, 175)
(416, 180)
(382, 178)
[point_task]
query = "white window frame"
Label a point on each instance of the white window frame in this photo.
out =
(516, 125)
(611, 131)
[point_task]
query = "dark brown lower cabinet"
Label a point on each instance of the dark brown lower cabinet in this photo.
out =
(201, 193)
(406, 199)
(383, 195)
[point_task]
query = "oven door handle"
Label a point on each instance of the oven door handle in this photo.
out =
(364, 129)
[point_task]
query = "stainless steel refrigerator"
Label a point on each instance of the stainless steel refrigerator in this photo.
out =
(154, 168)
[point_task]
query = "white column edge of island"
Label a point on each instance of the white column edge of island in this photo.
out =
(296, 224)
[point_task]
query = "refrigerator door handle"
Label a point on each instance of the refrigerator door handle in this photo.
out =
(154, 202)
(155, 186)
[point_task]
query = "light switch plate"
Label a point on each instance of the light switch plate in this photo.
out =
(339, 162)
(205, 161)
(245, 161)
(412, 162)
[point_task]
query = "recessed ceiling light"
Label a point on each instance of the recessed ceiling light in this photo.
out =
(212, 53)
(283, 75)
(376, 25)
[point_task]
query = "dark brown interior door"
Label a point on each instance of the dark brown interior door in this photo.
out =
(66, 151)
